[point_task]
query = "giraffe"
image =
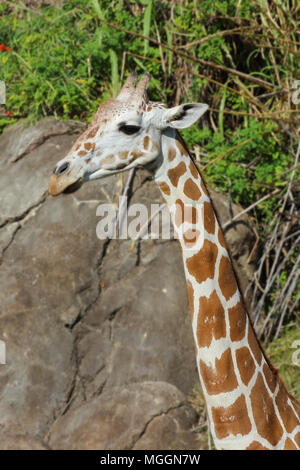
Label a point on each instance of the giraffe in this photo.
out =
(247, 404)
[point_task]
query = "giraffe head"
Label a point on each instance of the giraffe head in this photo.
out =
(125, 133)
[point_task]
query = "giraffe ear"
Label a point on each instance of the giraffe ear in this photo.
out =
(184, 115)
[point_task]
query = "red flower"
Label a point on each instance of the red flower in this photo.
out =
(4, 48)
(9, 113)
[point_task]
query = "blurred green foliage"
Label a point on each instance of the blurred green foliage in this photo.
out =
(284, 354)
(66, 60)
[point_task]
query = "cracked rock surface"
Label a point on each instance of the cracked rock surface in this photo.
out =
(124, 418)
(99, 349)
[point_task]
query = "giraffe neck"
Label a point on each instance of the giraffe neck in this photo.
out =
(247, 405)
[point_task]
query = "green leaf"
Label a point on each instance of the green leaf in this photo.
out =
(147, 25)
(170, 53)
(221, 113)
(114, 72)
(97, 8)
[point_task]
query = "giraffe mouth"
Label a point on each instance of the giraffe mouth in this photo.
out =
(73, 187)
(103, 172)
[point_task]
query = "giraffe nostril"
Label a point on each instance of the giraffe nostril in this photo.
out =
(61, 169)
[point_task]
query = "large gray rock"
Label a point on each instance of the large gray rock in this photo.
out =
(122, 418)
(140, 322)
(20, 442)
(88, 323)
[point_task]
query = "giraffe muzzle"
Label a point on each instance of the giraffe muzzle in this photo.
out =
(65, 183)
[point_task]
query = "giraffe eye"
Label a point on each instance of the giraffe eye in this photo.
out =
(129, 129)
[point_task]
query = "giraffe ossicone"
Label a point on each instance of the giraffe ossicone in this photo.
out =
(247, 404)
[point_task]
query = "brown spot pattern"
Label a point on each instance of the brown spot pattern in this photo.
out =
(171, 153)
(123, 155)
(254, 345)
(203, 187)
(264, 414)
(191, 190)
(190, 237)
(297, 439)
(211, 320)
(233, 419)
(256, 446)
(289, 419)
(108, 160)
(221, 238)
(209, 218)
(185, 213)
(237, 321)
(179, 212)
(221, 378)
(89, 146)
(245, 364)
(270, 377)
(190, 291)
(202, 264)
(137, 154)
(165, 188)
(193, 170)
(227, 279)
(289, 445)
(82, 153)
(146, 142)
(92, 132)
(175, 173)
